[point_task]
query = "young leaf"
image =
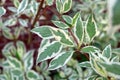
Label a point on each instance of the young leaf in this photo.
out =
(60, 60)
(32, 75)
(2, 11)
(43, 31)
(79, 31)
(89, 49)
(91, 28)
(61, 24)
(75, 18)
(15, 63)
(59, 6)
(67, 19)
(67, 5)
(21, 49)
(28, 60)
(113, 69)
(22, 6)
(107, 52)
(62, 37)
(49, 51)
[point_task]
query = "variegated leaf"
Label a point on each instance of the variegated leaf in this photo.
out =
(62, 37)
(79, 31)
(28, 60)
(2, 11)
(59, 6)
(113, 69)
(75, 18)
(49, 51)
(43, 31)
(32, 75)
(14, 63)
(89, 49)
(22, 6)
(107, 52)
(67, 5)
(91, 28)
(67, 19)
(61, 24)
(60, 60)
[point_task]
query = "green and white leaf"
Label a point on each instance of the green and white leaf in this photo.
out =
(59, 6)
(21, 49)
(75, 18)
(32, 75)
(60, 24)
(98, 68)
(85, 64)
(2, 11)
(67, 19)
(28, 60)
(43, 31)
(113, 69)
(67, 5)
(22, 6)
(62, 37)
(49, 51)
(16, 3)
(44, 42)
(107, 52)
(16, 72)
(50, 2)
(60, 60)
(14, 63)
(79, 31)
(90, 28)
(116, 51)
(89, 49)
(3, 77)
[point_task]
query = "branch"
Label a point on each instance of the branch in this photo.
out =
(37, 15)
